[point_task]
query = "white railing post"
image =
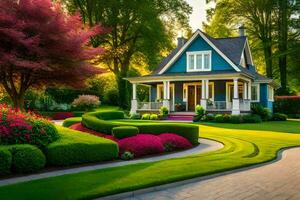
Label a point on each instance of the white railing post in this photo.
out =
(134, 103)
(245, 91)
(235, 100)
(203, 101)
(166, 100)
(249, 90)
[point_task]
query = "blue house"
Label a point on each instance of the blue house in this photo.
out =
(217, 73)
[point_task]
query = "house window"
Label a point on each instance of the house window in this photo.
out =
(255, 93)
(199, 61)
(270, 93)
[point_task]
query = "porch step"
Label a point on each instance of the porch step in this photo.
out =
(181, 117)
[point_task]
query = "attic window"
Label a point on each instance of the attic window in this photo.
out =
(198, 61)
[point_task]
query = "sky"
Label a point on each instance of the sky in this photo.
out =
(199, 13)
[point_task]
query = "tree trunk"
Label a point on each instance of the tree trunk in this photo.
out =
(268, 58)
(282, 43)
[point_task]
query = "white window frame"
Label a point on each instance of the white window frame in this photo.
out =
(258, 92)
(270, 89)
(195, 53)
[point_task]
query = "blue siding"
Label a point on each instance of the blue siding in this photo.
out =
(178, 92)
(153, 92)
(264, 97)
(199, 44)
(220, 90)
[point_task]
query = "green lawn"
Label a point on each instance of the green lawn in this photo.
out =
(242, 148)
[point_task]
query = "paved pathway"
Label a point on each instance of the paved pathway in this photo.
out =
(276, 181)
(205, 146)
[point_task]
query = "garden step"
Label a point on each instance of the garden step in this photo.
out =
(186, 117)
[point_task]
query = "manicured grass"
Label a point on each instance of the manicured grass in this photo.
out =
(242, 148)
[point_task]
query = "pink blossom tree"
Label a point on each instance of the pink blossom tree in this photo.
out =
(41, 44)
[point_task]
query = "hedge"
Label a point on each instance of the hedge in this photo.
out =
(21, 158)
(287, 105)
(70, 121)
(74, 147)
(124, 131)
(100, 121)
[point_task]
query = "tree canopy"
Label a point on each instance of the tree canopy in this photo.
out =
(41, 44)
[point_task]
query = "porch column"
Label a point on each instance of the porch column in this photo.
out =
(249, 90)
(166, 100)
(235, 100)
(133, 101)
(203, 95)
(245, 91)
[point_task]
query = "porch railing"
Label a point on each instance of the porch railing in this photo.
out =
(245, 105)
(223, 105)
(149, 105)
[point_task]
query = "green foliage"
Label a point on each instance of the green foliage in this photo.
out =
(199, 110)
(164, 111)
(95, 122)
(253, 118)
(279, 117)
(208, 117)
(153, 117)
(27, 158)
(111, 97)
(287, 105)
(70, 121)
(5, 160)
(258, 109)
(135, 116)
(236, 119)
(197, 118)
(146, 116)
(219, 118)
(75, 147)
(127, 155)
(124, 131)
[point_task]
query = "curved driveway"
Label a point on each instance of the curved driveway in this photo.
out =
(276, 181)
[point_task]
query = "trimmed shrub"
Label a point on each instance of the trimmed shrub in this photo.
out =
(62, 115)
(196, 118)
(94, 121)
(236, 119)
(164, 111)
(219, 118)
(251, 118)
(127, 155)
(141, 145)
(70, 121)
(74, 147)
(112, 97)
(5, 160)
(208, 117)
(27, 158)
(173, 142)
(287, 105)
(153, 117)
(226, 118)
(264, 113)
(124, 131)
(135, 116)
(86, 102)
(146, 116)
(199, 110)
(279, 117)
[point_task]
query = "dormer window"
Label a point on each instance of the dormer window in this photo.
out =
(198, 61)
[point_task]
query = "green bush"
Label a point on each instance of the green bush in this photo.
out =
(264, 113)
(124, 131)
(27, 158)
(219, 118)
(199, 110)
(279, 117)
(208, 117)
(74, 147)
(21, 158)
(289, 105)
(94, 122)
(153, 117)
(70, 121)
(135, 116)
(111, 97)
(226, 118)
(164, 111)
(251, 118)
(5, 160)
(127, 155)
(146, 116)
(236, 119)
(197, 118)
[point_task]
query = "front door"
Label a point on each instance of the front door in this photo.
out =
(191, 98)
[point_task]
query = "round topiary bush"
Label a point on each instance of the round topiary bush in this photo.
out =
(27, 158)
(141, 145)
(173, 142)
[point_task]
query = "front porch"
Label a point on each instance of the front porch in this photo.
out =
(227, 95)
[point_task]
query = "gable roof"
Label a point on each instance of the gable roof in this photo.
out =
(229, 48)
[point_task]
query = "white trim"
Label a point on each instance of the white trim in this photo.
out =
(251, 59)
(257, 91)
(198, 32)
(270, 88)
(195, 54)
(172, 86)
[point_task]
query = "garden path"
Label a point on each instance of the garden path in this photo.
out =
(277, 181)
(205, 146)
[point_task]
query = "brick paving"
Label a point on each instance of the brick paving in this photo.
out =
(276, 181)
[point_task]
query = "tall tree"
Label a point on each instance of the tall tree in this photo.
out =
(138, 30)
(41, 44)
